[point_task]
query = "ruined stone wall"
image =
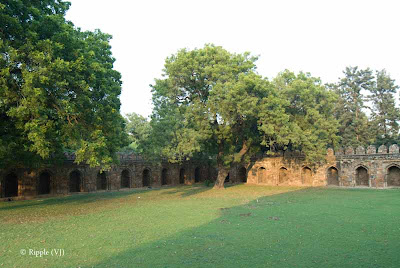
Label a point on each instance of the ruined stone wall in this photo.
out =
(364, 167)
(379, 168)
(71, 177)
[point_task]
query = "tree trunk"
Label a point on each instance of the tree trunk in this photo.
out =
(222, 173)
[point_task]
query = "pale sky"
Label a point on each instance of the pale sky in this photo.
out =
(320, 37)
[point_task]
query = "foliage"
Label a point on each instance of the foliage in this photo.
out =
(385, 115)
(354, 127)
(307, 123)
(213, 101)
(139, 130)
(58, 88)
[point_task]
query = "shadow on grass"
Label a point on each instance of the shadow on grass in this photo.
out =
(83, 197)
(312, 227)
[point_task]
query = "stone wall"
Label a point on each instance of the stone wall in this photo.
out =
(364, 167)
(71, 177)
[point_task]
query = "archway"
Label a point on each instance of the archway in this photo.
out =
(164, 177)
(306, 176)
(333, 176)
(44, 183)
(362, 177)
(282, 175)
(182, 176)
(101, 181)
(197, 174)
(125, 179)
(11, 185)
(242, 174)
(393, 178)
(261, 175)
(75, 181)
(146, 178)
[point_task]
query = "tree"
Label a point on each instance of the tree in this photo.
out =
(354, 127)
(310, 125)
(58, 88)
(139, 130)
(384, 115)
(211, 101)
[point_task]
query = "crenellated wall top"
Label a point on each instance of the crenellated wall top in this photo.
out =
(370, 150)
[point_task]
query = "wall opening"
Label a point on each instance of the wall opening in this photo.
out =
(182, 176)
(101, 181)
(146, 178)
(44, 183)
(125, 179)
(393, 178)
(197, 174)
(11, 185)
(261, 175)
(283, 177)
(333, 176)
(242, 174)
(164, 177)
(75, 181)
(306, 176)
(362, 177)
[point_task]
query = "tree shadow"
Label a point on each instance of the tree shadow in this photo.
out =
(79, 198)
(310, 227)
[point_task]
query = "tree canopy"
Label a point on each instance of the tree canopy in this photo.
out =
(58, 88)
(213, 101)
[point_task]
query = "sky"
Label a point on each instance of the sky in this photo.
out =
(320, 37)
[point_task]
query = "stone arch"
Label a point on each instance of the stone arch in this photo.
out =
(164, 176)
(75, 181)
(261, 175)
(44, 183)
(332, 176)
(10, 185)
(101, 181)
(283, 175)
(182, 176)
(146, 177)
(242, 174)
(393, 175)
(125, 179)
(362, 176)
(197, 174)
(306, 175)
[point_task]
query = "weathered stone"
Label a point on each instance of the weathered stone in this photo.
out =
(371, 149)
(339, 151)
(394, 149)
(382, 149)
(360, 150)
(349, 151)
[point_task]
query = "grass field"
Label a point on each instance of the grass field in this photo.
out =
(195, 226)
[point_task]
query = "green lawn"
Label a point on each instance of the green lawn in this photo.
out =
(195, 226)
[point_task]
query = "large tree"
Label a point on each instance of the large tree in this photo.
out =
(212, 102)
(58, 89)
(354, 127)
(385, 115)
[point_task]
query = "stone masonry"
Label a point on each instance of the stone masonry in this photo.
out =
(363, 167)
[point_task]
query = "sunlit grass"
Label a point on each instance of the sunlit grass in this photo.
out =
(196, 226)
